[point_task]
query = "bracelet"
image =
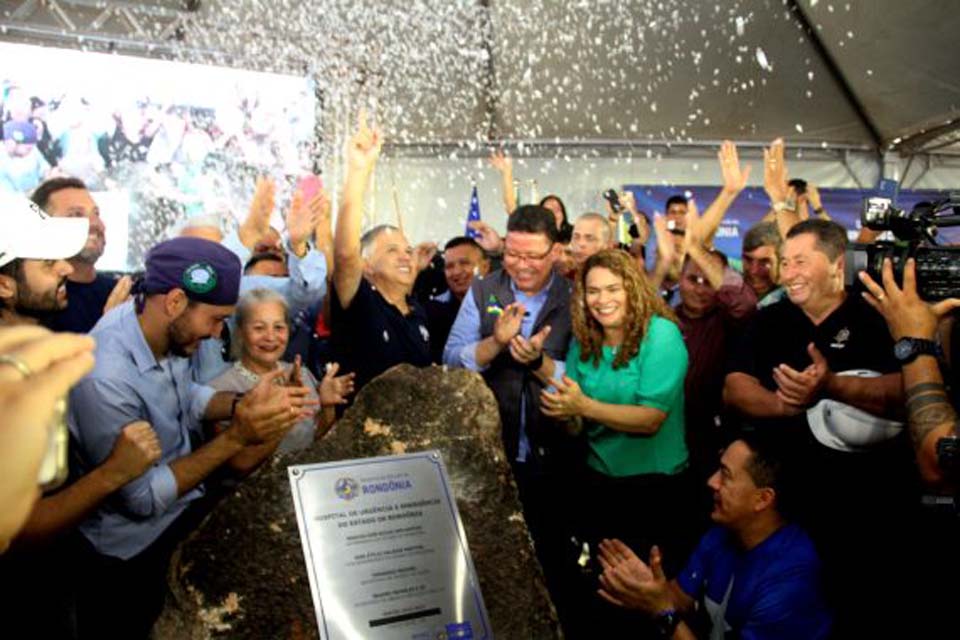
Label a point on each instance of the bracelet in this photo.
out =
(779, 206)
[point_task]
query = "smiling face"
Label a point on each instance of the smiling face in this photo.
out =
(77, 203)
(198, 321)
(606, 299)
(529, 258)
(761, 269)
(38, 286)
(265, 334)
(460, 264)
(811, 279)
(390, 260)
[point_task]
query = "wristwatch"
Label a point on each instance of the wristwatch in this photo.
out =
(666, 623)
(906, 350)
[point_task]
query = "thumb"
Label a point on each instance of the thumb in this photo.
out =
(541, 336)
(567, 382)
(815, 355)
(271, 378)
(944, 307)
(656, 564)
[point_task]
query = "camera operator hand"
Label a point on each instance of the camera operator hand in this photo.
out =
(906, 314)
(913, 323)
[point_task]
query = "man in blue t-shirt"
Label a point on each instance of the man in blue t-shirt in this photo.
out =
(753, 577)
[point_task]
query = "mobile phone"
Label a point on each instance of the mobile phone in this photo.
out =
(613, 198)
(53, 468)
(309, 185)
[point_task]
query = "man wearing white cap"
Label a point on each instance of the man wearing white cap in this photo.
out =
(33, 266)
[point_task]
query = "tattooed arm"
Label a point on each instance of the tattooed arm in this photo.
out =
(929, 412)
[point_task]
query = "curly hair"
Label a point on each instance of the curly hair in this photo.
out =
(643, 302)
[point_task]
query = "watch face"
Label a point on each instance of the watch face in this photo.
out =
(903, 349)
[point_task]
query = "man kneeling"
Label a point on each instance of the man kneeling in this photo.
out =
(754, 576)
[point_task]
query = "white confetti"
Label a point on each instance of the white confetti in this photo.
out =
(762, 60)
(798, 127)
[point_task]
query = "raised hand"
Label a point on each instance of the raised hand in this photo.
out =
(424, 253)
(906, 314)
(363, 148)
(775, 172)
(489, 239)
(501, 162)
(666, 251)
(334, 389)
(257, 223)
(734, 175)
(120, 293)
(301, 223)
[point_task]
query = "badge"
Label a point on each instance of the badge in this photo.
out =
(200, 278)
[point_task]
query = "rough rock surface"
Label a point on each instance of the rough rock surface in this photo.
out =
(242, 573)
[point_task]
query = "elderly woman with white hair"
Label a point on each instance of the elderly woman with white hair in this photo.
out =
(260, 339)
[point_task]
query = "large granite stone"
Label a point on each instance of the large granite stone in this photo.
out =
(242, 573)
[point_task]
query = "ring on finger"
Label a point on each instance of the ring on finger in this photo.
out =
(17, 363)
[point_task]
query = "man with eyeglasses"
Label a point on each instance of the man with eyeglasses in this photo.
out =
(514, 325)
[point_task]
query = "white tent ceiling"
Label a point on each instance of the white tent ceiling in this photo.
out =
(850, 73)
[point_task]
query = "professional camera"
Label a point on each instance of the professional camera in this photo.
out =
(938, 268)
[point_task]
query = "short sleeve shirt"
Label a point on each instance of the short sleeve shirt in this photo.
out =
(771, 592)
(653, 378)
(853, 337)
(371, 335)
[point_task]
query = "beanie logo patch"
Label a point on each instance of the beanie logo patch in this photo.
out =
(200, 278)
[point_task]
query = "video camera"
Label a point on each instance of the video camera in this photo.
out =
(938, 267)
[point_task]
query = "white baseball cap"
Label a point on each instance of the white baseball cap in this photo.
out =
(27, 232)
(846, 428)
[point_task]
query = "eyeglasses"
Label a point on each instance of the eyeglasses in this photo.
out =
(529, 257)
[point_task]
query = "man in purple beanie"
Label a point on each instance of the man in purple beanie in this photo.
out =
(143, 375)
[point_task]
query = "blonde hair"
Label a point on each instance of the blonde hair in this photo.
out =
(643, 302)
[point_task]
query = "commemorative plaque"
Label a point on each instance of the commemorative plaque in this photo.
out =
(385, 550)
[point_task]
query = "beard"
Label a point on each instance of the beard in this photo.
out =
(39, 305)
(92, 251)
(180, 342)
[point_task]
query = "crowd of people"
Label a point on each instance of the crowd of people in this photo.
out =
(699, 452)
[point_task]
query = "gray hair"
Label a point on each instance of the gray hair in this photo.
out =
(762, 234)
(245, 307)
(368, 238)
(606, 232)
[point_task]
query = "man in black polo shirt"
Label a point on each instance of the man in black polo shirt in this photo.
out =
(376, 322)
(90, 294)
(819, 369)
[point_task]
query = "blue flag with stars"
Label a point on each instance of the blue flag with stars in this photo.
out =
(473, 214)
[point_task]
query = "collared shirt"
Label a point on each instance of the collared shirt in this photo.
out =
(461, 349)
(129, 384)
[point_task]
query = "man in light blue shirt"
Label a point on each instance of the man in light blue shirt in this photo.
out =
(514, 328)
(142, 374)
